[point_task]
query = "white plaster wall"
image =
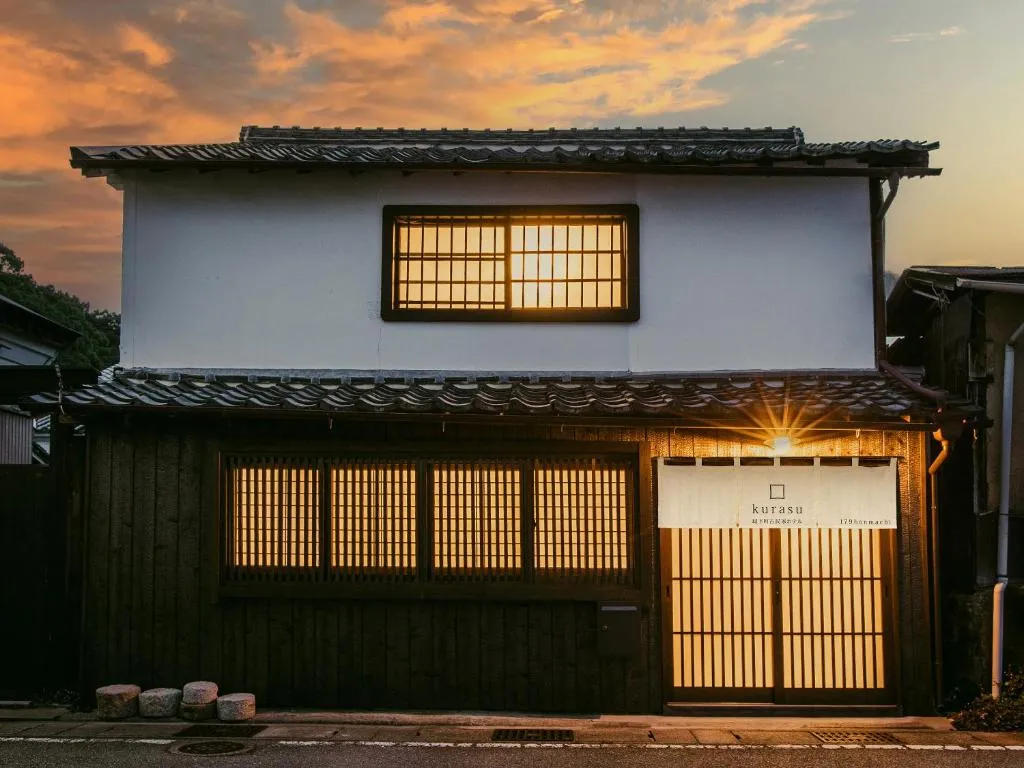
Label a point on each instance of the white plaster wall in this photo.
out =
(279, 270)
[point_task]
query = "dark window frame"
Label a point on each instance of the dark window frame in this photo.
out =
(627, 314)
(328, 581)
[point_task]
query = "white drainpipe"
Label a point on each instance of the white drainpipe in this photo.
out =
(1002, 553)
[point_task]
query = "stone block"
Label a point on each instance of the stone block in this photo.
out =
(236, 707)
(199, 692)
(116, 702)
(197, 712)
(159, 702)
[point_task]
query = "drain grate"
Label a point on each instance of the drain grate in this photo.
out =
(855, 737)
(219, 731)
(212, 748)
(533, 734)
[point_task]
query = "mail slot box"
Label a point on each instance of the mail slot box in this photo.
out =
(618, 630)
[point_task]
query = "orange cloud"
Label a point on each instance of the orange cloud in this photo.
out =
(135, 40)
(195, 70)
(494, 67)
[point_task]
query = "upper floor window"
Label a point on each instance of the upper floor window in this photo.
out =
(510, 263)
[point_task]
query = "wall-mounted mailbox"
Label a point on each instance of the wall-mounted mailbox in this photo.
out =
(618, 630)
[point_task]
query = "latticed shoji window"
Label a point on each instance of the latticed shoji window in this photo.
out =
(493, 263)
(333, 520)
(583, 520)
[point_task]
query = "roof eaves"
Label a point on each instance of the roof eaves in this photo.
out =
(582, 153)
(54, 332)
(837, 397)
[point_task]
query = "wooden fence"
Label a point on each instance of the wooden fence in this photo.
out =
(39, 593)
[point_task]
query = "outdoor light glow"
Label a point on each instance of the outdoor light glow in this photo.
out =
(781, 445)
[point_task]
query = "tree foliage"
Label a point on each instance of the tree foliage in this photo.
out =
(98, 346)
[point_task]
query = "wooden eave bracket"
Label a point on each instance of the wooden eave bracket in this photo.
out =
(894, 187)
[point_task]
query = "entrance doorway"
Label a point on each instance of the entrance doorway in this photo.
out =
(784, 616)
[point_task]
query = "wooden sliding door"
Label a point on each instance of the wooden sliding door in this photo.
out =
(786, 616)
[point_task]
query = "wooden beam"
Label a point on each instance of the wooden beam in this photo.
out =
(877, 211)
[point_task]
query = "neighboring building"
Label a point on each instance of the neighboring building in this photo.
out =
(486, 420)
(30, 342)
(956, 322)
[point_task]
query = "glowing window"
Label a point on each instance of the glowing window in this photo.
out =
(511, 264)
(583, 520)
(275, 520)
(476, 519)
(373, 516)
(418, 519)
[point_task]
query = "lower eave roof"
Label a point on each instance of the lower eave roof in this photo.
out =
(861, 396)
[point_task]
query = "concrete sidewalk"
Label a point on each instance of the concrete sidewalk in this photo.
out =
(389, 728)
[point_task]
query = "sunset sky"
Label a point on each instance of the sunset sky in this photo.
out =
(176, 71)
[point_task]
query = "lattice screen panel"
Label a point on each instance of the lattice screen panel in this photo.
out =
(373, 519)
(476, 520)
(450, 262)
(832, 609)
(722, 615)
(275, 514)
(577, 262)
(583, 521)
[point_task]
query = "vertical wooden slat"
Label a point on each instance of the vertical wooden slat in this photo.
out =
(95, 597)
(397, 647)
(120, 573)
(233, 652)
(421, 656)
(188, 636)
(527, 475)
(165, 557)
(281, 645)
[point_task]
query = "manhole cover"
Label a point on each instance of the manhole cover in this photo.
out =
(533, 734)
(855, 737)
(219, 731)
(211, 748)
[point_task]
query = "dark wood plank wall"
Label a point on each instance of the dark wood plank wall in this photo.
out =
(153, 615)
(26, 527)
(40, 524)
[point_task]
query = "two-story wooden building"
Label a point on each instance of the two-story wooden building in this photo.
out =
(575, 420)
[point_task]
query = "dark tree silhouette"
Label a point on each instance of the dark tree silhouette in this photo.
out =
(98, 346)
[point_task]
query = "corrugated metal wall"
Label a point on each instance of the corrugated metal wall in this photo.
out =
(15, 438)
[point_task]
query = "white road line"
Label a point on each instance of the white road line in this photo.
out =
(519, 745)
(97, 740)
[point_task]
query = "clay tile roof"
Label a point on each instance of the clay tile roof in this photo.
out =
(834, 395)
(634, 149)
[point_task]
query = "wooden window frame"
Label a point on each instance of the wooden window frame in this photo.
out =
(627, 314)
(302, 582)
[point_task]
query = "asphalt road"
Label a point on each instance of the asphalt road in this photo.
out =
(134, 755)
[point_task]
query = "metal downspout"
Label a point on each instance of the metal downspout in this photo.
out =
(1003, 536)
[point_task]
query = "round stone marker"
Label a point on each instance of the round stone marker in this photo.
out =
(197, 712)
(236, 707)
(116, 702)
(199, 692)
(159, 702)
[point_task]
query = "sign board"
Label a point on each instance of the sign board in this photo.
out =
(735, 496)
